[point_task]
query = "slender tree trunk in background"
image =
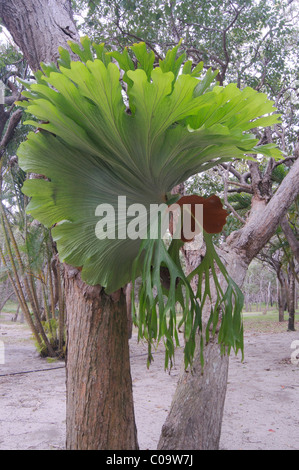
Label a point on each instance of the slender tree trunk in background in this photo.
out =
(291, 297)
(100, 412)
(294, 244)
(3, 302)
(281, 296)
(281, 304)
(291, 237)
(268, 299)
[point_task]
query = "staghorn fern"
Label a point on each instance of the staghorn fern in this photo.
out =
(101, 137)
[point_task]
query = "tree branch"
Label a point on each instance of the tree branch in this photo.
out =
(266, 217)
(232, 170)
(224, 175)
(243, 186)
(284, 161)
(13, 122)
(173, 25)
(224, 43)
(191, 50)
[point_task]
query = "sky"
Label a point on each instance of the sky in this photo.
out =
(5, 37)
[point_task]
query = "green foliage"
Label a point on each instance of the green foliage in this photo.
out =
(279, 173)
(240, 202)
(9, 56)
(157, 319)
(51, 329)
(166, 139)
(253, 43)
(32, 239)
(256, 31)
(92, 150)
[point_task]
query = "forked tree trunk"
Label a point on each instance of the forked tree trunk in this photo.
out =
(195, 418)
(100, 412)
(291, 296)
(198, 403)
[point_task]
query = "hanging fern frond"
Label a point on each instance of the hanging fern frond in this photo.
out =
(101, 137)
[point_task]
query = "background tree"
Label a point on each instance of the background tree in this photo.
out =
(25, 243)
(233, 185)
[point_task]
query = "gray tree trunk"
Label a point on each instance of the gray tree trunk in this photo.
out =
(195, 417)
(39, 27)
(281, 295)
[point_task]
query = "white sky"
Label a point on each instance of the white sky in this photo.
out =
(5, 37)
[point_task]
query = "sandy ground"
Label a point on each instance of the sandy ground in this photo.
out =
(261, 409)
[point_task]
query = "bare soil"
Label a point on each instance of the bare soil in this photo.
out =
(261, 409)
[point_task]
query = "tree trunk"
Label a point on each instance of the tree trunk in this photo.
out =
(39, 27)
(291, 297)
(195, 418)
(3, 302)
(237, 253)
(100, 413)
(281, 295)
(281, 304)
(190, 424)
(99, 390)
(291, 238)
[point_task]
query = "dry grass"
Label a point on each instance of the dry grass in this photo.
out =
(257, 322)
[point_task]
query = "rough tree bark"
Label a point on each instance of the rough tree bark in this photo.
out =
(99, 393)
(185, 428)
(281, 295)
(39, 27)
(100, 411)
(294, 245)
(291, 295)
(291, 237)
